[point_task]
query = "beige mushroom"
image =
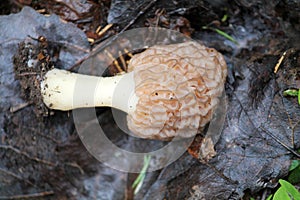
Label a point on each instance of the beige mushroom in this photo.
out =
(169, 90)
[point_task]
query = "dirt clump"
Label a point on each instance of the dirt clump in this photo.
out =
(31, 63)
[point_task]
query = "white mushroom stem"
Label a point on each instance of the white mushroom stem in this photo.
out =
(63, 90)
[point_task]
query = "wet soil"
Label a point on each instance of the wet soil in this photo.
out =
(43, 158)
(31, 63)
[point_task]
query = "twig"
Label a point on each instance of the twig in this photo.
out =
(34, 131)
(69, 6)
(280, 142)
(18, 107)
(27, 73)
(75, 165)
(28, 196)
(41, 11)
(36, 159)
(8, 147)
(123, 61)
(293, 126)
(279, 62)
(15, 176)
(116, 64)
(62, 44)
(98, 29)
(104, 30)
(91, 40)
(128, 53)
(45, 136)
(219, 173)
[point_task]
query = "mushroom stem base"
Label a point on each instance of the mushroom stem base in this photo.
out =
(63, 90)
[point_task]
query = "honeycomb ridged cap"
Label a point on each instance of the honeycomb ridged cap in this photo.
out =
(178, 87)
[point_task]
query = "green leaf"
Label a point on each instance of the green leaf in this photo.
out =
(294, 164)
(137, 184)
(294, 176)
(288, 189)
(221, 33)
(270, 197)
(224, 18)
(140, 183)
(299, 97)
(281, 194)
(225, 35)
(291, 92)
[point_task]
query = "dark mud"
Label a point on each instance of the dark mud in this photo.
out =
(31, 63)
(44, 155)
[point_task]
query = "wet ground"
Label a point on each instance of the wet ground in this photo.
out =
(43, 157)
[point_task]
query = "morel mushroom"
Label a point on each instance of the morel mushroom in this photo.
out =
(169, 90)
(178, 88)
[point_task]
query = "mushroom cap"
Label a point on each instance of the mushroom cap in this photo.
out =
(178, 87)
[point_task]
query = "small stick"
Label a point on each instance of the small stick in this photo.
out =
(15, 176)
(114, 61)
(103, 31)
(34, 131)
(18, 107)
(219, 172)
(98, 29)
(75, 165)
(122, 61)
(41, 11)
(28, 196)
(91, 40)
(279, 62)
(27, 155)
(27, 73)
(280, 142)
(128, 53)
